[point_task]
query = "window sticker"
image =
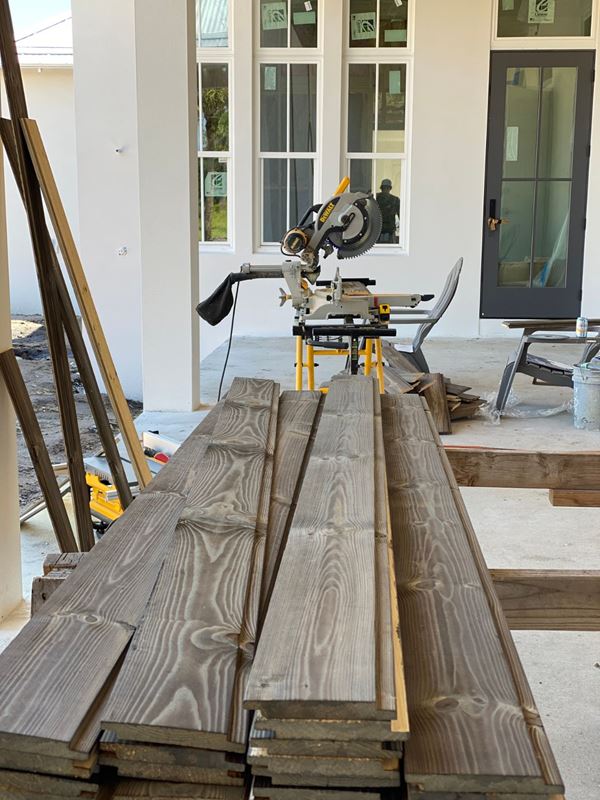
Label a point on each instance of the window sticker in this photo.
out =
(305, 18)
(512, 143)
(396, 35)
(395, 86)
(215, 184)
(363, 26)
(308, 5)
(274, 16)
(270, 79)
(541, 11)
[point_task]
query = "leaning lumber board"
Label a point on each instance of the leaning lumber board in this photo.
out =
(474, 724)
(523, 469)
(330, 730)
(39, 158)
(397, 359)
(163, 790)
(177, 683)
(36, 446)
(296, 425)
(43, 257)
(582, 498)
(549, 600)
(316, 656)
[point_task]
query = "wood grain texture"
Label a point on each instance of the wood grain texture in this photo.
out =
(474, 725)
(42, 250)
(61, 561)
(396, 381)
(39, 158)
(391, 780)
(44, 586)
(374, 768)
(397, 359)
(329, 730)
(75, 337)
(88, 621)
(435, 395)
(262, 788)
(522, 469)
(178, 679)
(163, 790)
(36, 446)
(183, 773)
(163, 754)
(316, 655)
(44, 785)
(549, 600)
(415, 794)
(296, 425)
(584, 498)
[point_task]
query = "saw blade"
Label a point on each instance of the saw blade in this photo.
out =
(359, 238)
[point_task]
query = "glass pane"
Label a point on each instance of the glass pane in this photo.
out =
(522, 110)
(274, 199)
(301, 188)
(388, 179)
(559, 93)
(303, 31)
(213, 185)
(544, 18)
(303, 108)
(211, 18)
(361, 175)
(552, 234)
(390, 108)
(274, 23)
(514, 251)
(215, 107)
(393, 23)
(361, 107)
(363, 23)
(273, 111)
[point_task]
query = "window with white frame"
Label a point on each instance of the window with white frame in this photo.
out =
(287, 112)
(376, 101)
(214, 154)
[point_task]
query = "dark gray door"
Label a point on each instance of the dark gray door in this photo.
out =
(536, 184)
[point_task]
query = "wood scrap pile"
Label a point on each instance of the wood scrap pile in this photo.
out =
(447, 401)
(240, 623)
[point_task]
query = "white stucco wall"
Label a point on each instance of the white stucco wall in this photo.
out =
(49, 93)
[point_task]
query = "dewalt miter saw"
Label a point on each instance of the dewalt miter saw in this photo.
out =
(349, 223)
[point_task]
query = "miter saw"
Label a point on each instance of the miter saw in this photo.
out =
(349, 224)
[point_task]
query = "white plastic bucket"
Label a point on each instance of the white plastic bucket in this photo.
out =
(586, 396)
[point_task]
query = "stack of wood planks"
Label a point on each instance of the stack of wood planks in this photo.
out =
(447, 401)
(241, 624)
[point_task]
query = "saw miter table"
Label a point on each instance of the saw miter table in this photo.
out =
(351, 319)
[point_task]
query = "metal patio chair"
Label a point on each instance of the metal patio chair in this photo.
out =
(427, 320)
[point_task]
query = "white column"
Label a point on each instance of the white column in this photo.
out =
(10, 539)
(165, 51)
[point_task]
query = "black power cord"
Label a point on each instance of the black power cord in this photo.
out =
(237, 288)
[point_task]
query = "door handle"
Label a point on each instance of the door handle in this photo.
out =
(493, 222)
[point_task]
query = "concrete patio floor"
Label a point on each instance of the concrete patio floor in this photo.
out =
(516, 528)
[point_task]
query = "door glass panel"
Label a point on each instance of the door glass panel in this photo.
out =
(274, 198)
(273, 112)
(301, 187)
(303, 108)
(391, 108)
(361, 175)
(557, 130)
(522, 111)
(516, 236)
(211, 23)
(393, 23)
(361, 107)
(544, 18)
(363, 23)
(551, 234)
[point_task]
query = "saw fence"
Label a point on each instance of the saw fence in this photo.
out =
(296, 604)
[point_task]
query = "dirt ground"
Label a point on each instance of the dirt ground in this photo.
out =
(31, 348)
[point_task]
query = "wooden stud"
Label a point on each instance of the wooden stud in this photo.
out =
(582, 498)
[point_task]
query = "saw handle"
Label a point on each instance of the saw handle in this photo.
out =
(344, 184)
